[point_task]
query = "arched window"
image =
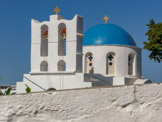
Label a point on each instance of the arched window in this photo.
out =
(131, 64)
(110, 63)
(89, 63)
(61, 66)
(51, 89)
(44, 66)
(44, 40)
(62, 39)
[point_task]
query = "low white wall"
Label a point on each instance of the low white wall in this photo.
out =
(136, 103)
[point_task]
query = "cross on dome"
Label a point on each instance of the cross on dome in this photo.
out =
(105, 19)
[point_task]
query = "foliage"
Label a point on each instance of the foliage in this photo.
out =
(28, 89)
(7, 92)
(154, 43)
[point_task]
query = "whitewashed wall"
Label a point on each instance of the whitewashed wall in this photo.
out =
(138, 103)
(121, 59)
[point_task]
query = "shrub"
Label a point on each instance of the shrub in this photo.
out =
(28, 89)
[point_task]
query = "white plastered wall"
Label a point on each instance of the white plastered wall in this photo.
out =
(121, 59)
(60, 81)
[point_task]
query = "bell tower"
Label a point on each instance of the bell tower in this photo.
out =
(56, 45)
(56, 55)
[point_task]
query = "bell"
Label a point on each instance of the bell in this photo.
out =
(63, 33)
(46, 34)
(64, 36)
(46, 37)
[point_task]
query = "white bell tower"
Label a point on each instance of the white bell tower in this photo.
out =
(56, 55)
(57, 45)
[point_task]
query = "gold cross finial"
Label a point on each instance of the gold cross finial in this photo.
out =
(105, 19)
(56, 10)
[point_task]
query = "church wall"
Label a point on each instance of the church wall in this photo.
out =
(135, 103)
(121, 59)
(58, 80)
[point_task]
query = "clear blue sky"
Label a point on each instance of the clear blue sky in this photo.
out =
(15, 28)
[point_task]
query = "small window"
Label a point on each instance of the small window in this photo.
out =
(61, 66)
(110, 63)
(89, 63)
(51, 89)
(44, 66)
(130, 64)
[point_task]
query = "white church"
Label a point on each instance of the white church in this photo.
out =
(62, 57)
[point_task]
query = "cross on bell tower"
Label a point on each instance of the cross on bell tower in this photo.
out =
(56, 10)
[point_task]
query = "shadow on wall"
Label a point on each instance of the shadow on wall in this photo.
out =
(130, 81)
(98, 80)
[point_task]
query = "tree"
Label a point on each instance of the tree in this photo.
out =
(154, 43)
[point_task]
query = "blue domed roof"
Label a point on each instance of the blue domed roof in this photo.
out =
(107, 34)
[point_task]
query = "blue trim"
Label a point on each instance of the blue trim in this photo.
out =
(107, 34)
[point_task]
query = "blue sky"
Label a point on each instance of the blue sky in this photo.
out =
(15, 28)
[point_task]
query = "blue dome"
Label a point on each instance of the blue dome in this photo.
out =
(107, 34)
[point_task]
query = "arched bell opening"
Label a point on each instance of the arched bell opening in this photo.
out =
(44, 40)
(62, 39)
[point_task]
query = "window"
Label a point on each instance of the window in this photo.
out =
(110, 63)
(44, 40)
(51, 89)
(62, 39)
(61, 66)
(89, 63)
(44, 66)
(130, 64)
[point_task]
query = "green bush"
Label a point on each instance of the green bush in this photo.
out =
(28, 89)
(7, 92)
